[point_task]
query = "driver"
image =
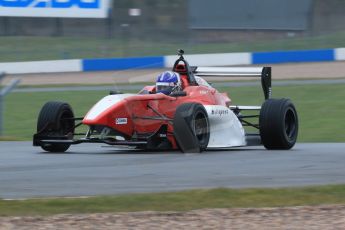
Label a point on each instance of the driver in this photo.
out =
(168, 82)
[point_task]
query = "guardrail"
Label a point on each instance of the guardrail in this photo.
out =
(3, 92)
(220, 59)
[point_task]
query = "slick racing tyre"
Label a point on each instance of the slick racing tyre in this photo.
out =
(278, 124)
(191, 127)
(56, 121)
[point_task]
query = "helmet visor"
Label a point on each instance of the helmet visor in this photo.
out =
(166, 89)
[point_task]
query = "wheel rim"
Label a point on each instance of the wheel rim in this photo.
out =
(200, 127)
(66, 125)
(290, 124)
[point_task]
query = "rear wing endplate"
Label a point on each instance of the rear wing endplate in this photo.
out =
(263, 72)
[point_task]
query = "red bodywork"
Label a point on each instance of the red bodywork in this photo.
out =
(146, 113)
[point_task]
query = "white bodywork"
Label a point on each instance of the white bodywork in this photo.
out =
(104, 104)
(225, 128)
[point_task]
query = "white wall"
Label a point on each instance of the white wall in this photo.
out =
(73, 65)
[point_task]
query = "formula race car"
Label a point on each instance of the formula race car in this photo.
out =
(191, 117)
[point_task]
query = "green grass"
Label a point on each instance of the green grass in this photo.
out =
(320, 108)
(179, 201)
(47, 48)
(22, 109)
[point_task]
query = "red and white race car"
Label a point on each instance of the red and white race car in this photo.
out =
(193, 119)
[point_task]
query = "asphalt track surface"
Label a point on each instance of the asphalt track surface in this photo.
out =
(92, 169)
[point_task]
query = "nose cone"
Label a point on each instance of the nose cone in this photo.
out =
(126, 113)
(111, 111)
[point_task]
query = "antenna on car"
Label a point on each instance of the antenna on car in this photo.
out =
(180, 52)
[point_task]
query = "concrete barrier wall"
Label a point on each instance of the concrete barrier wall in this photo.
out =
(53, 66)
(293, 56)
(221, 59)
(340, 54)
(122, 63)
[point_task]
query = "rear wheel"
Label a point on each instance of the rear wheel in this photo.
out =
(56, 121)
(278, 124)
(191, 127)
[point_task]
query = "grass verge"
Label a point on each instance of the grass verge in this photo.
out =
(26, 48)
(179, 201)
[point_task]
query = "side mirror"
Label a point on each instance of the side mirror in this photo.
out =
(178, 94)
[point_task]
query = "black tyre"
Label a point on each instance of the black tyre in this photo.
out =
(278, 124)
(56, 120)
(191, 127)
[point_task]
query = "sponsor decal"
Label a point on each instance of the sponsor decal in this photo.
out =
(204, 92)
(220, 112)
(121, 121)
(55, 8)
(62, 4)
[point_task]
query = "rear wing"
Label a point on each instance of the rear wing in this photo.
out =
(263, 72)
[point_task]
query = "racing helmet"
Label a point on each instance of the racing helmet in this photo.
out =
(168, 82)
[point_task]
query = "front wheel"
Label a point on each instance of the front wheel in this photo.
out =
(278, 124)
(56, 121)
(191, 127)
